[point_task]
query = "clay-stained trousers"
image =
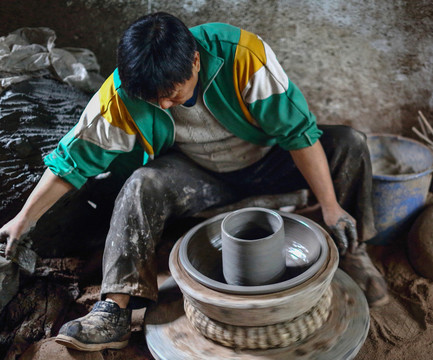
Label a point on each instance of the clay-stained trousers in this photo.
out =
(173, 186)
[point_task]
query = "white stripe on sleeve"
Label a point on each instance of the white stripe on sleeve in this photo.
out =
(271, 79)
(93, 127)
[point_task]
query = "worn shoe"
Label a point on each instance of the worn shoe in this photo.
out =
(360, 268)
(107, 326)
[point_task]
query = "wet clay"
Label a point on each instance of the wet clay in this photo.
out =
(391, 166)
(24, 257)
(253, 245)
(397, 155)
(34, 115)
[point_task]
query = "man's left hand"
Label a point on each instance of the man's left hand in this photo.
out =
(343, 229)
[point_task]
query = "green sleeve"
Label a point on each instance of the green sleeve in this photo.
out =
(287, 117)
(75, 160)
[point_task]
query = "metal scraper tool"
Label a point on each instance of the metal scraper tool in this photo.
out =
(24, 257)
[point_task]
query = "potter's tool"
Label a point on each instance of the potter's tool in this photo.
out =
(24, 257)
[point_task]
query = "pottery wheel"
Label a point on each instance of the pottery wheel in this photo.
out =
(170, 336)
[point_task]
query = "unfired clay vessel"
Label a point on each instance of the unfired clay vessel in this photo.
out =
(305, 249)
(253, 247)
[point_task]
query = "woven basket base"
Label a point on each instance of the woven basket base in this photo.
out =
(261, 337)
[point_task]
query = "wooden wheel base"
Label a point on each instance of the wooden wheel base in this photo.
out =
(170, 336)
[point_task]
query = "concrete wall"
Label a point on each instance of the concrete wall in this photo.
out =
(363, 63)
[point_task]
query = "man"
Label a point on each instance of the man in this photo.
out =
(219, 121)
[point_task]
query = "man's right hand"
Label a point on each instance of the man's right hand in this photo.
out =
(12, 232)
(49, 189)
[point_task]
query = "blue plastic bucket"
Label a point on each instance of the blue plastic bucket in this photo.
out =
(402, 170)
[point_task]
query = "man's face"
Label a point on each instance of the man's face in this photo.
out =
(183, 92)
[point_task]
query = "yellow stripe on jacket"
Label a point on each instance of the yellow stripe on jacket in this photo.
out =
(249, 58)
(107, 123)
(257, 72)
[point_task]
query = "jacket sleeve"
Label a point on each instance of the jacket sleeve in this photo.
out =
(104, 131)
(274, 102)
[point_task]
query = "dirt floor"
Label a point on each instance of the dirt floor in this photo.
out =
(401, 330)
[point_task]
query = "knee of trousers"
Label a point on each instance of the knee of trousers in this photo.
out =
(146, 180)
(351, 142)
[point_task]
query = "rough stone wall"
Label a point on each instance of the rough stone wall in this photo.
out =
(365, 64)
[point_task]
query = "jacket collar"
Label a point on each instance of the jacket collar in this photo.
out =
(210, 66)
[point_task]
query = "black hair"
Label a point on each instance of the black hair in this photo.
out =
(154, 54)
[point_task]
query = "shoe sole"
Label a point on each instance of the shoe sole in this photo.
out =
(381, 302)
(73, 343)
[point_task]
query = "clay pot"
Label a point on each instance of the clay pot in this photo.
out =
(306, 250)
(420, 243)
(253, 247)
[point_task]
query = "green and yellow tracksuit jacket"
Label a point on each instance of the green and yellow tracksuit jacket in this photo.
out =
(244, 87)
